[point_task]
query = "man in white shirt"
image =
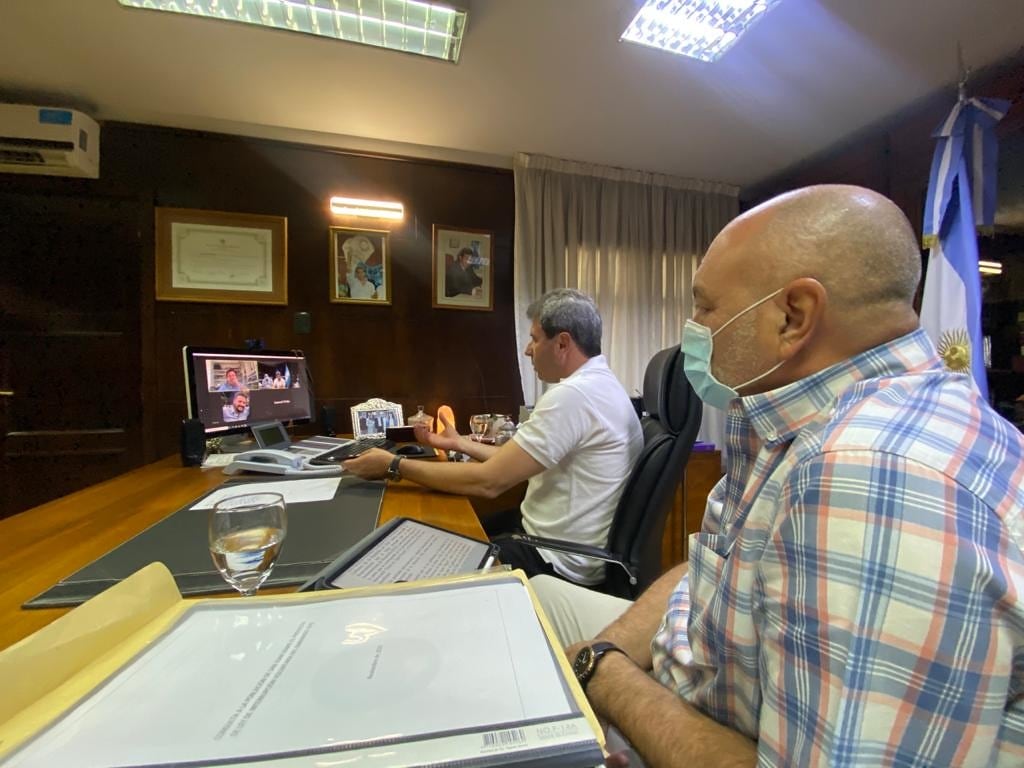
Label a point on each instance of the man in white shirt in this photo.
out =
(576, 450)
(359, 286)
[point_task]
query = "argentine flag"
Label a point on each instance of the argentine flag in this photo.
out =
(961, 198)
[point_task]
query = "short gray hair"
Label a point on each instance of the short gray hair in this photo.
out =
(572, 311)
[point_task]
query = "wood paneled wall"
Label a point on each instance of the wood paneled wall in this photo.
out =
(407, 352)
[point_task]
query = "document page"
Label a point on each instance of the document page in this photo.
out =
(294, 491)
(245, 680)
(413, 551)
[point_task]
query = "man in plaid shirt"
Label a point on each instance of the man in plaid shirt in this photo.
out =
(852, 596)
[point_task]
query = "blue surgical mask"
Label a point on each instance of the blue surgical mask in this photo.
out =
(697, 350)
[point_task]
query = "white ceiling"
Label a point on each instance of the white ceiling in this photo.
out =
(543, 76)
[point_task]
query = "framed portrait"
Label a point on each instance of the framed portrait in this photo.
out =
(213, 256)
(462, 268)
(360, 266)
(372, 418)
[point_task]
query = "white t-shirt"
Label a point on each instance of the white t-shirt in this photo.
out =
(586, 434)
(358, 290)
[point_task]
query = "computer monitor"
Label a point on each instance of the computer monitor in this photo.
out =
(230, 389)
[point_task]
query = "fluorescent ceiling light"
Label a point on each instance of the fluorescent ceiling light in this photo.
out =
(376, 209)
(990, 267)
(701, 29)
(427, 28)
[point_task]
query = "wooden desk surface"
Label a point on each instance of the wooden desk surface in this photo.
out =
(41, 546)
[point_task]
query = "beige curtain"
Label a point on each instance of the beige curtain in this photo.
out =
(631, 240)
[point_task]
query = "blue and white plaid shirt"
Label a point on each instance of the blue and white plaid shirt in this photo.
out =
(855, 593)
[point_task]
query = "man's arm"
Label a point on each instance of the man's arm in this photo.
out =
(660, 726)
(664, 729)
(509, 466)
(633, 630)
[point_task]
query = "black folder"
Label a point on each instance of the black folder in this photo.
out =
(317, 532)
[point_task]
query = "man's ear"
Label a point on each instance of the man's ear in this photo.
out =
(564, 341)
(802, 304)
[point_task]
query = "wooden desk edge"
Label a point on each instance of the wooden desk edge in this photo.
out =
(41, 546)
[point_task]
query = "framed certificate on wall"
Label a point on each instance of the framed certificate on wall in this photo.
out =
(213, 256)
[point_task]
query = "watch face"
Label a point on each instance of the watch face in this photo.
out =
(583, 664)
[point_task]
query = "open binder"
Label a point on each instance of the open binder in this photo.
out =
(448, 672)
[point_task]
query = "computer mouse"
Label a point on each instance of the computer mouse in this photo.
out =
(412, 450)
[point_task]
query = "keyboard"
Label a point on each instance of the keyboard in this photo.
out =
(353, 449)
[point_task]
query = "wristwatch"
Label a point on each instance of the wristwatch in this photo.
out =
(392, 472)
(586, 660)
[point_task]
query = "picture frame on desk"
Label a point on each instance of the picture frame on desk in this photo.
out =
(372, 418)
(462, 268)
(221, 257)
(360, 266)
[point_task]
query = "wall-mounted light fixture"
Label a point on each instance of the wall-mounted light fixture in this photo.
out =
(990, 267)
(375, 209)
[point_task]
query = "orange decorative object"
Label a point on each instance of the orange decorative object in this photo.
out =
(444, 412)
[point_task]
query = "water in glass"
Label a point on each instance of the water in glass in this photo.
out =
(245, 534)
(479, 424)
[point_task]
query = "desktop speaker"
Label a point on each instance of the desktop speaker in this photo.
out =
(327, 420)
(193, 442)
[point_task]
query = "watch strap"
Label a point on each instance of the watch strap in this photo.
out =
(394, 473)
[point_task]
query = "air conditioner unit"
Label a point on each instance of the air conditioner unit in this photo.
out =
(48, 141)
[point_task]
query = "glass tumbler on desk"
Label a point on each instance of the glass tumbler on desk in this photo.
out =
(506, 430)
(246, 533)
(479, 425)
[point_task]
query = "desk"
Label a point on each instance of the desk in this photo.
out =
(41, 546)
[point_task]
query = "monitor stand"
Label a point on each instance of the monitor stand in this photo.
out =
(233, 444)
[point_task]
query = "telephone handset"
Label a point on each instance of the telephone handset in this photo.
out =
(277, 462)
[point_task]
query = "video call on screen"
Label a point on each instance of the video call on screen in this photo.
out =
(253, 388)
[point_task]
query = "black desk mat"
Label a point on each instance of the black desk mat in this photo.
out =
(317, 532)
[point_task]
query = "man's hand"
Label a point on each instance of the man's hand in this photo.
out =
(448, 440)
(370, 465)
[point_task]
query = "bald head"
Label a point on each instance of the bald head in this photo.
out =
(837, 268)
(855, 242)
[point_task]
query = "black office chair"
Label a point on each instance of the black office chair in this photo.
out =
(670, 424)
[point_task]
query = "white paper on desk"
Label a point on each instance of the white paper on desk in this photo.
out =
(294, 491)
(321, 678)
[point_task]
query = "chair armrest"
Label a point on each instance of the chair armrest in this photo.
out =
(572, 547)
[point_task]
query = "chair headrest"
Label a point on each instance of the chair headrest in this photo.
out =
(667, 392)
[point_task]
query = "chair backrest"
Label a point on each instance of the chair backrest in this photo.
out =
(670, 429)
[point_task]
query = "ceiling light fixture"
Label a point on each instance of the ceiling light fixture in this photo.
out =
(701, 29)
(990, 267)
(425, 28)
(376, 209)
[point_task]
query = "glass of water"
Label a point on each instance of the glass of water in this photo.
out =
(479, 424)
(246, 533)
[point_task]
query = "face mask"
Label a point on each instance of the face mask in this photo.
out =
(697, 349)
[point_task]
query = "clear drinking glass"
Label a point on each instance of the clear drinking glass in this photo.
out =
(479, 424)
(246, 533)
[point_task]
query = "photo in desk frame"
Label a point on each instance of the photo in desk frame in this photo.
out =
(372, 418)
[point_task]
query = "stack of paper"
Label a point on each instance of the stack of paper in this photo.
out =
(414, 674)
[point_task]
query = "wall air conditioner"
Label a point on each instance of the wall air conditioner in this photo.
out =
(48, 141)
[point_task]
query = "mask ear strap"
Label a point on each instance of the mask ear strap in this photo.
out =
(756, 379)
(742, 312)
